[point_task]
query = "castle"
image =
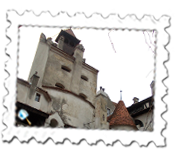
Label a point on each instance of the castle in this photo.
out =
(61, 91)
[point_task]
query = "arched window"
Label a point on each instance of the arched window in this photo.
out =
(84, 78)
(65, 68)
(83, 96)
(53, 123)
(139, 123)
(59, 85)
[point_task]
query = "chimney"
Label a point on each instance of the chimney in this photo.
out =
(84, 60)
(79, 50)
(136, 100)
(152, 87)
(34, 82)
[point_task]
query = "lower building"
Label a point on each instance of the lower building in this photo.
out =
(73, 111)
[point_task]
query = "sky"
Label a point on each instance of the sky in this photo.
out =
(124, 59)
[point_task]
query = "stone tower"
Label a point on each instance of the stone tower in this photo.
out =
(61, 65)
(101, 102)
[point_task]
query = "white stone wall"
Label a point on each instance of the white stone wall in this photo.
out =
(39, 61)
(57, 118)
(88, 87)
(22, 97)
(53, 72)
(22, 93)
(146, 118)
(73, 110)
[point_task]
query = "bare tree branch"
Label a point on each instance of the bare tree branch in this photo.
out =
(111, 41)
(147, 42)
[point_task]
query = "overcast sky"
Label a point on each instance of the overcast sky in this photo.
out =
(128, 69)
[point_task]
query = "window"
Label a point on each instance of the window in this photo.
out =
(59, 85)
(108, 111)
(71, 44)
(139, 123)
(68, 126)
(53, 123)
(66, 40)
(103, 117)
(83, 96)
(84, 78)
(37, 97)
(65, 68)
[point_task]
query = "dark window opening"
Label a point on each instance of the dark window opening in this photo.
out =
(53, 123)
(84, 78)
(83, 96)
(68, 126)
(103, 117)
(65, 68)
(71, 44)
(139, 123)
(108, 111)
(66, 40)
(59, 85)
(37, 97)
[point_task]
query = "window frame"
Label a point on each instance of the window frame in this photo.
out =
(103, 117)
(109, 111)
(59, 85)
(37, 97)
(65, 68)
(66, 41)
(83, 96)
(83, 77)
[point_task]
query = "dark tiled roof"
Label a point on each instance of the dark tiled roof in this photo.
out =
(137, 105)
(121, 116)
(70, 32)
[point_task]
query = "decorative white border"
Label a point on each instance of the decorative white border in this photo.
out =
(96, 21)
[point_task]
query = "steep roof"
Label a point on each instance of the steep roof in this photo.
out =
(121, 116)
(70, 32)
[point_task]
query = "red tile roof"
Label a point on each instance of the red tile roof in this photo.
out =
(109, 117)
(121, 116)
(70, 32)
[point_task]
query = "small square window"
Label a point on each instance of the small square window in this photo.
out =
(37, 97)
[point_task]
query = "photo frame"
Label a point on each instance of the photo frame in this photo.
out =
(95, 21)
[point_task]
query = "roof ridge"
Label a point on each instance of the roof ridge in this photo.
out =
(70, 32)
